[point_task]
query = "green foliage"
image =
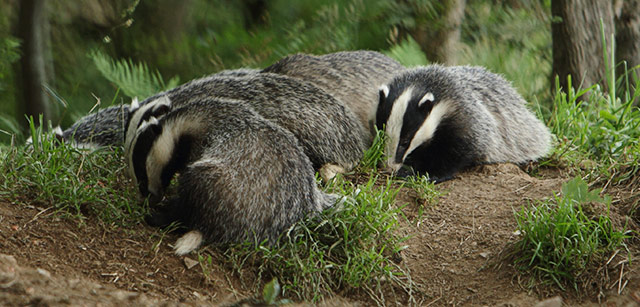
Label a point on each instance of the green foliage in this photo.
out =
(408, 53)
(350, 246)
(8, 54)
(590, 125)
(271, 291)
(561, 241)
(513, 42)
(426, 190)
(135, 80)
(68, 180)
(374, 156)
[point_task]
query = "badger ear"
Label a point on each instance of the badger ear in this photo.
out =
(58, 133)
(384, 91)
(161, 107)
(428, 97)
(134, 104)
(160, 110)
(154, 125)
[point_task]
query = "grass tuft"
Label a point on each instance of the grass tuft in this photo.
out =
(565, 239)
(73, 182)
(374, 156)
(349, 247)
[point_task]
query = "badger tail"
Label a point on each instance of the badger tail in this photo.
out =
(188, 242)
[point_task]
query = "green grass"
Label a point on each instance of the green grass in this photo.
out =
(602, 129)
(374, 156)
(565, 239)
(71, 181)
(352, 246)
(598, 126)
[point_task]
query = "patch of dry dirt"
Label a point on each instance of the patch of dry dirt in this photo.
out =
(452, 255)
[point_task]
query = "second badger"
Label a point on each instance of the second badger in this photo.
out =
(353, 77)
(327, 130)
(440, 120)
(241, 176)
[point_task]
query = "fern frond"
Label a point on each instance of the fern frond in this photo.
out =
(135, 80)
(408, 53)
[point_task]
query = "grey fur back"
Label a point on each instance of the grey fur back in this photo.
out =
(103, 128)
(353, 77)
(106, 126)
(328, 131)
(246, 177)
(520, 135)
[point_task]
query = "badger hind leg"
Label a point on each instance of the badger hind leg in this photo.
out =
(188, 242)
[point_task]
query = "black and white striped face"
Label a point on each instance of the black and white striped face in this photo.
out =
(411, 115)
(140, 153)
(138, 114)
(159, 149)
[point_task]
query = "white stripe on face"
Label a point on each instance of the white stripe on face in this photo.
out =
(163, 149)
(129, 150)
(136, 119)
(428, 128)
(394, 126)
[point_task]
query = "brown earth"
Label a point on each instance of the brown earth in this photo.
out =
(453, 255)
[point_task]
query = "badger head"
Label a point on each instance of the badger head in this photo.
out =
(138, 114)
(410, 109)
(159, 149)
(146, 157)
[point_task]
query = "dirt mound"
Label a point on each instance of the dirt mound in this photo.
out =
(452, 252)
(28, 286)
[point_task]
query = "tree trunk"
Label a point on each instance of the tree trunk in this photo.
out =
(440, 40)
(628, 40)
(254, 12)
(31, 20)
(577, 41)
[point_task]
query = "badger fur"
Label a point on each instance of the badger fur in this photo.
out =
(102, 128)
(106, 127)
(441, 119)
(353, 77)
(326, 129)
(242, 177)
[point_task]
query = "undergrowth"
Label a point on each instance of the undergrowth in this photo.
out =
(73, 182)
(134, 79)
(374, 155)
(599, 131)
(351, 246)
(565, 240)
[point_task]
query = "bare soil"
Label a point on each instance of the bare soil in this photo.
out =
(454, 254)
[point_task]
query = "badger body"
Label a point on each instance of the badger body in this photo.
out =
(106, 127)
(327, 130)
(352, 77)
(242, 177)
(439, 120)
(103, 128)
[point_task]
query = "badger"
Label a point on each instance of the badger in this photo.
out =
(353, 77)
(106, 127)
(99, 129)
(326, 129)
(440, 120)
(242, 177)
